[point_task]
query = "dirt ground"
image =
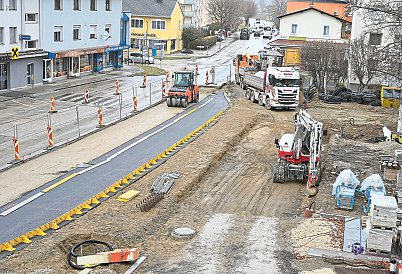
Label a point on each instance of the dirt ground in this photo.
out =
(243, 220)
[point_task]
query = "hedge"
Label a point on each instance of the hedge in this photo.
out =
(206, 41)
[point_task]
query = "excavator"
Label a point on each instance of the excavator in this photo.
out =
(184, 89)
(299, 154)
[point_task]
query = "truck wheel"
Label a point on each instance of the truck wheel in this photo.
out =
(169, 102)
(174, 102)
(247, 94)
(260, 100)
(252, 96)
(268, 103)
(184, 102)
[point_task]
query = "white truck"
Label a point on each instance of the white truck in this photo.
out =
(277, 87)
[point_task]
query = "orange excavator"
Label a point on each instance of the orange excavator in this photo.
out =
(184, 90)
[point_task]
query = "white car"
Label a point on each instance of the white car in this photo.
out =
(137, 57)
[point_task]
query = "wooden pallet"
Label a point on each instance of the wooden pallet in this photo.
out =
(378, 252)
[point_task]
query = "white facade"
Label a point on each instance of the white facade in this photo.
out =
(193, 12)
(311, 24)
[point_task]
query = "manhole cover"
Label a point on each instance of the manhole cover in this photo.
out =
(183, 232)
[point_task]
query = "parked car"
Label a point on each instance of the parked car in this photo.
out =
(257, 34)
(138, 57)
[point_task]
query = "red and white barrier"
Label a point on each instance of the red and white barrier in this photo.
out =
(86, 96)
(144, 81)
(163, 89)
(50, 137)
(100, 117)
(135, 103)
(16, 149)
(196, 69)
(117, 88)
(52, 105)
(167, 77)
(207, 78)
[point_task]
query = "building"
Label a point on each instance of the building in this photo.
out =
(21, 52)
(339, 8)
(206, 20)
(81, 37)
(310, 24)
(193, 12)
(155, 24)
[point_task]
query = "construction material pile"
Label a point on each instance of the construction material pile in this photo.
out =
(381, 224)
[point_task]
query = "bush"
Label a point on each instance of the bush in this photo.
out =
(208, 41)
(190, 34)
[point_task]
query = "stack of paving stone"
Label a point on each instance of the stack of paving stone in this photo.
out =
(381, 226)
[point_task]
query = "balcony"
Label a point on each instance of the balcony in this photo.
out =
(188, 13)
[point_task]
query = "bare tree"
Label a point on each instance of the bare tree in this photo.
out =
(225, 12)
(249, 9)
(385, 17)
(326, 61)
(275, 9)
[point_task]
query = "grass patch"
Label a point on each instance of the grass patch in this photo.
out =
(150, 71)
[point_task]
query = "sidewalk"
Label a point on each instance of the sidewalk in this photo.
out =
(218, 47)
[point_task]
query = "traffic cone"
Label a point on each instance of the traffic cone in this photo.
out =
(206, 78)
(86, 97)
(50, 140)
(117, 89)
(144, 81)
(16, 149)
(52, 105)
(100, 118)
(135, 103)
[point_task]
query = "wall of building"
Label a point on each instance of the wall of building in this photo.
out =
(311, 24)
(18, 71)
(69, 17)
(10, 18)
(31, 28)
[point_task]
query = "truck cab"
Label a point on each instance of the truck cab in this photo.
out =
(283, 87)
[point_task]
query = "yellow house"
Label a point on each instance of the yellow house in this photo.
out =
(156, 24)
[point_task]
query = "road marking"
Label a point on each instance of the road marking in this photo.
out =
(62, 181)
(144, 138)
(14, 208)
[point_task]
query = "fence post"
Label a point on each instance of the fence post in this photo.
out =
(78, 121)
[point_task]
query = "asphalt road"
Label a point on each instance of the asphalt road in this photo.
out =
(104, 171)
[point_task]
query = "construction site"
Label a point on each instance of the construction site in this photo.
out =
(212, 206)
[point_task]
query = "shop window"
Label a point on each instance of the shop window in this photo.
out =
(85, 63)
(31, 17)
(77, 5)
(94, 5)
(76, 32)
(1, 35)
(58, 4)
(108, 5)
(137, 23)
(93, 31)
(12, 5)
(13, 35)
(33, 44)
(58, 33)
(159, 24)
(137, 43)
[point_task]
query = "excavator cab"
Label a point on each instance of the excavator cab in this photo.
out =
(184, 89)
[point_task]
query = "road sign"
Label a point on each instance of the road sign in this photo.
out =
(25, 37)
(15, 54)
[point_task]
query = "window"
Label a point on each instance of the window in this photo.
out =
(326, 31)
(108, 5)
(1, 4)
(77, 5)
(137, 23)
(158, 24)
(294, 29)
(58, 4)
(12, 5)
(31, 17)
(173, 44)
(58, 33)
(76, 32)
(375, 39)
(13, 35)
(1, 35)
(108, 28)
(94, 5)
(31, 44)
(93, 30)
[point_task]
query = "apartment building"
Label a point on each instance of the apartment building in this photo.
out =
(21, 52)
(193, 13)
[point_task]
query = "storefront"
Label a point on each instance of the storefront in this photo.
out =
(74, 63)
(114, 56)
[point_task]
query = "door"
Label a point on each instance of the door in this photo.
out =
(30, 73)
(3, 76)
(47, 69)
(73, 66)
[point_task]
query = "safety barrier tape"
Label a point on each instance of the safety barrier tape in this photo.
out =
(106, 193)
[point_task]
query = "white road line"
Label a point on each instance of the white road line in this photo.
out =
(14, 208)
(142, 139)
